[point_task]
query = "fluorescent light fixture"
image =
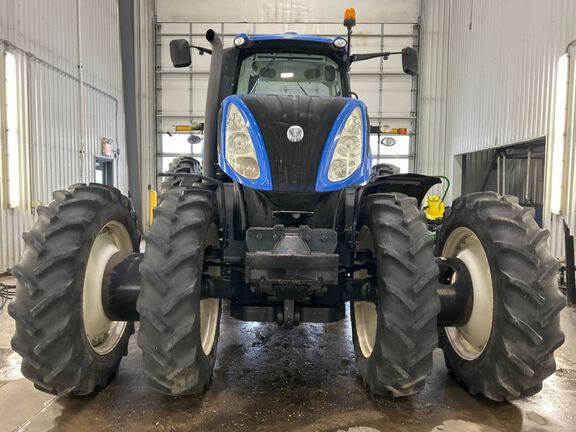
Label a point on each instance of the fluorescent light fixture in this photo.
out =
(558, 137)
(12, 126)
(287, 75)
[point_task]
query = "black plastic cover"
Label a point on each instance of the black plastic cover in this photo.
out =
(414, 185)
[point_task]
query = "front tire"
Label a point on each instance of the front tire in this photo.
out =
(394, 338)
(506, 349)
(178, 331)
(68, 345)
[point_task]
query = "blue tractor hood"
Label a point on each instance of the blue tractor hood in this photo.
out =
(295, 166)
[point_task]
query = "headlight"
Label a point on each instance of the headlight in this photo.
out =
(347, 155)
(239, 148)
(340, 42)
(239, 41)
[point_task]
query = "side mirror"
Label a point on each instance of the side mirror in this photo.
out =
(410, 61)
(180, 53)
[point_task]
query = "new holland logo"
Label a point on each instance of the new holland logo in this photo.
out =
(295, 133)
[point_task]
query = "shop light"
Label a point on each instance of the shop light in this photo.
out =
(558, 137)
(13, 157)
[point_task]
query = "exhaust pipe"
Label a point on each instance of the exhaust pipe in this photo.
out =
(212, 102)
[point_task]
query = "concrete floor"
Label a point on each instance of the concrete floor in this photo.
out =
(269, 379)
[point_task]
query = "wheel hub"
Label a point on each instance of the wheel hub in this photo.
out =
(454, 291)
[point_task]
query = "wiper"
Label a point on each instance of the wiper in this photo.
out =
(302, 88)
(264, 69)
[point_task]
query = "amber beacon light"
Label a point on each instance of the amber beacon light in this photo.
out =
(350, 17)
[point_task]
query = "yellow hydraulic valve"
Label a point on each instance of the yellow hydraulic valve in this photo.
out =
(153, 202)
(434, 208)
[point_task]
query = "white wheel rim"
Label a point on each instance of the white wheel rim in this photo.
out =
(470, 339)
(102, 333)
(365, 315)
(366, 319)
(208, 323)
(210, 308)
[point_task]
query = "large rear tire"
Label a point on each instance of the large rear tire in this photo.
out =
(68, 345)
(383, 170)
(506, 349)
(178, 331)
(184, 165)
(394, 338)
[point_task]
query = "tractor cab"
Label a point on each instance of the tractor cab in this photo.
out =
(292, 65)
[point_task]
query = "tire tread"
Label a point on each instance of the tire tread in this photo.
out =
(173, 358)
(408, 305)
(528, 329)
(49, 329)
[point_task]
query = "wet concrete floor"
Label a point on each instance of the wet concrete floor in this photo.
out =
(270, 379)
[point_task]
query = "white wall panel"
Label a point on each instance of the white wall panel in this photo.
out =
(431, 154)
(45, 33)
(54, 141)
(287, 10)
(45, 28)
(488, 79)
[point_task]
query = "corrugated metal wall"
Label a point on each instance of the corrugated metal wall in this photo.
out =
(432, 153)
(499, 62)
(503, 58)
(47, 36)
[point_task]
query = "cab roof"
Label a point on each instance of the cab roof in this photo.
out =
(293, 42)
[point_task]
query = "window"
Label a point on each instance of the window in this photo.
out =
(105, 171)
(558, 138)
(13, 133)
(178, 144)
(391, 149)
(289, 74)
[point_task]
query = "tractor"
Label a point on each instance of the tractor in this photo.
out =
(286, 223)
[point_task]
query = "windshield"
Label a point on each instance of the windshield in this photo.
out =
(289, 74)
